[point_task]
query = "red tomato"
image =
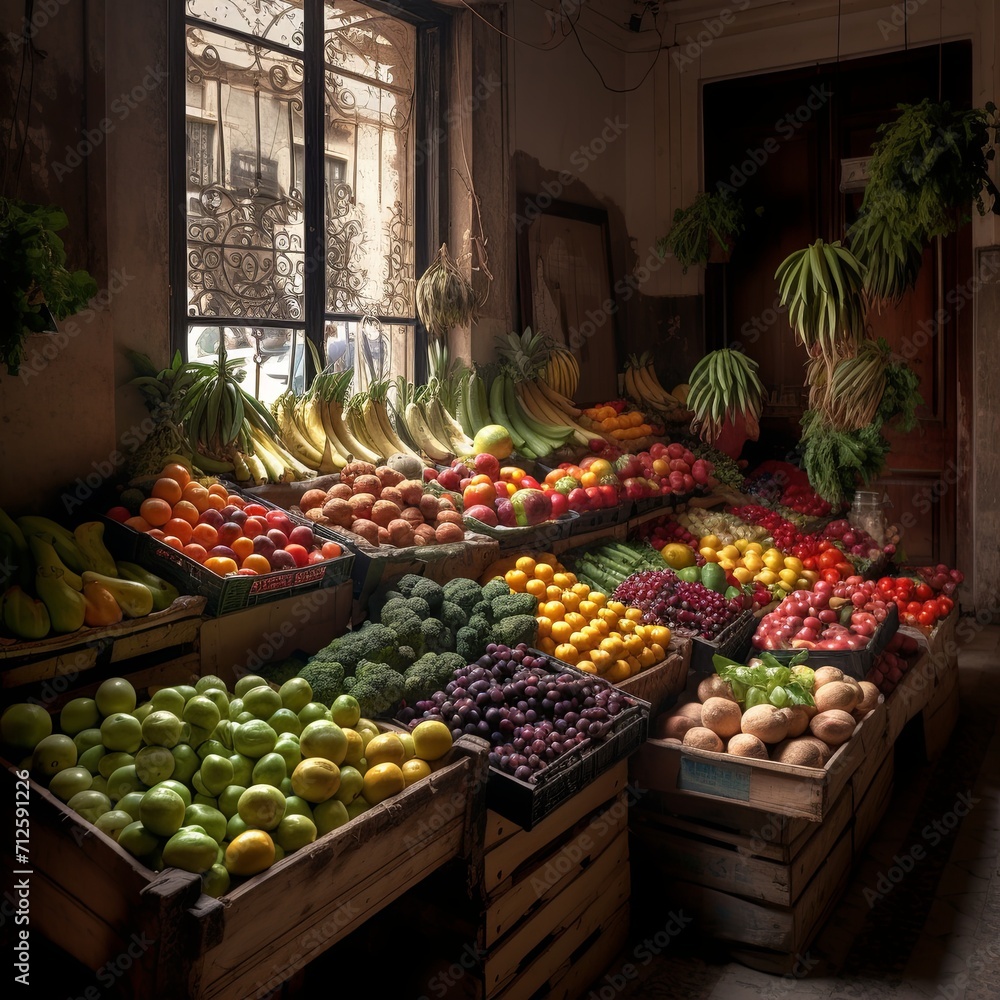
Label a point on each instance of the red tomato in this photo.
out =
(255, 510)
(926, 618)
(947, 605)
(922, 592)
(479, 493)
(845, 569)
(914, 608)
(830, 575)
(298, 553)
(331, 550)
(809, 563)
(829, 558)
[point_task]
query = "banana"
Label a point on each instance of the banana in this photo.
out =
(556, 416)
(374, 428)
(295, 439)
(559, 401)
(498, 410)
(479, 409)
(381, 410)
(463, 443)
(423, 436)
(212, 466)
(343, 434)
(240, 468)
(536, 442)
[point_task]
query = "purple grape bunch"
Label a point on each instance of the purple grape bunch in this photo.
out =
(530, 715)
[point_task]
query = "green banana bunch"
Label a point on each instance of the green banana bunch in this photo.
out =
(725, 383)
(823, 288)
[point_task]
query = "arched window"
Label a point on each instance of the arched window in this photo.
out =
(295, 173)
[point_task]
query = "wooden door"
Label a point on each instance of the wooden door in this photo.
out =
(797, 190)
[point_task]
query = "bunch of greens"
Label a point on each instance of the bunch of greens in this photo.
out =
(770, 682)
(835, 460)
(711, 216)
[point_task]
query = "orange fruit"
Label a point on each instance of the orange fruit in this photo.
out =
(383, 781)
(575, 620)
(179, 528)
(205, 534)
(138, 523)
(256, 562)
(217, 489)
(156, 511)
(174, 542)
(544, 627)
(553, 610)
(221, 565)
(198, 495)
(547, 646)
(567, 653)
(177, 472)
(158, 533)
(243, 547)
(544, 572)
(586, 666)
(254, 526)
(560, 631)
(215, 502)
(552, 592)
(186, 510)
(536, 588)
(516, 580)
(167, 489)
(250, 852)
(197, 552)
(233, 500)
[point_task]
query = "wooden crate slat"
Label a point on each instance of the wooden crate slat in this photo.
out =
(658, 684)
(553, 873)
(941, 715)
(872, 804)
(578, 922)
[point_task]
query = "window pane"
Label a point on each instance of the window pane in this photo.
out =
(245, 227)
(274, 20)
(369, 104)
(272, 358)
(376, 351)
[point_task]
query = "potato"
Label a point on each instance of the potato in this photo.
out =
(703, 739)
(339, 512)
(368, 530)
(361, 504)
(383, 536)
(312, 498)
(423, 534)
(412, 490)
(804, 753)
(354, 469)
(824, 675)
(368, 484)
(449, 517)
(429, 507)
(836, 694)
(673, 726)
(798, 719)
(714, 686)
(767, 723)
(722, 716)
(413, 516)
(446, 503)
(449, 532)
(691, 709)
(389, 477)
(833, 727)
(870, 700)
(318, 517)
(384, 511)
(745, 745)
(339, 491)
(393, 495)
(400, 533)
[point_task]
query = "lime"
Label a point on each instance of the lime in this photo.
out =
(115, 695)
(162, 811)
(67, 782)
(358, 806)
(137, 840)
(351, 783)
(186, 762)
(191, 849)
(200, 799)
(168, 700)
(91, 759)
(201, 713)
(86, 739)
(329, 815)
(242, 769)
(130, 804)
(288, 746)
(295, 831)
(123, 781)
(244, 716)
(247, 683)
(323, 739)
(202, 684)
(254, 738)
(261, 702)
(120, 731)
(110, 762)
(235, 826)
(212, 821)
(270, 770)
(25, 725)
(215, 882)
(113, 822)
(174, 785)
(261, 807)
(90, 805)
(154, 764)
(217, 773)
(235, 707)
(285, 721)
(79, 714)
(99, 784)
(212, 746)
(229, 799)
(286, 787)
(313, 711)
(161, 728)
(295, 693)
(295, 806)
(53, 754)
(345, 710)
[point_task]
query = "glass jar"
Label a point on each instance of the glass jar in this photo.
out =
(868, 513)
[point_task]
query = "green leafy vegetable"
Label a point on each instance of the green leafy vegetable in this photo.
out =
(770, 682)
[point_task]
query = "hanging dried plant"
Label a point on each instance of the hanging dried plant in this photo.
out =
(445, 297)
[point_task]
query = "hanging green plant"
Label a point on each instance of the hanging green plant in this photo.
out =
(707, 228)
(34, 281)
(724, 386)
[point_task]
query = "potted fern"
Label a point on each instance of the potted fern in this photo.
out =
(705, 231)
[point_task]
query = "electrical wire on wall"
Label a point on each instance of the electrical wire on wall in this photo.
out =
(14, 137)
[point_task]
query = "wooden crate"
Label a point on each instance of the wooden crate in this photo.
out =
(62, 660)
(684, 774)
(661, 683)
(941, 713)
(89, 896)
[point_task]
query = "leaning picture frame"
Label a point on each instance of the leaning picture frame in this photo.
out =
(565, 287)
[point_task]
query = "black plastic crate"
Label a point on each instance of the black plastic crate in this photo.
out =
(527, 803)
(603, 517)
(733, 641)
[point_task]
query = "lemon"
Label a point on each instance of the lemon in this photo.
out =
(295, 831)
(79, 714)
(323, 739)
(270, 770)
(316, 779)
(261, 806)
(676, 555)
(383, 748)
(249, 853)
(24, 725)
(295, 694)
(431, 741)
(116, 694)
(53, 754)
(415, 769)
(385, 780)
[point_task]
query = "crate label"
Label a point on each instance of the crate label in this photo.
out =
(288, 578)
(710, 779)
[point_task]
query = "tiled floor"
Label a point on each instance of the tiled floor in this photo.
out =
(934, 936)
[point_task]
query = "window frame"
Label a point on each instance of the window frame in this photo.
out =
(433, 26)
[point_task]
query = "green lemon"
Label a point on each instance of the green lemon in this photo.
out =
(162, 729)
(201, 712)
(351, 783)
(261, 702)
(244, 716)
(137, 840)
(113, 822)
(168, 700)
(121, 732)
(130, 804)
(235, 707)
(295, 693)
(212, 746)
(295, 806)
(90, 805)
(123, 781)
(200, 799)
(217, 773)
(288, 746)
(295, 831)
(204, 683)
(115, 695)
(215, 882)
(269, 770)
(53, 754)
(358, 806)
(285, 721)
(235, 826)
(211, 820)
(323, 739)
(345, 710)
(191, 849)
(313, 711)
(23, 725)
(79, 714)
(254, 738)
(66, 783)
(91, 759)
(186, 691)
(248, 683)
(229, 799)
(174, 785)
(99, 784)
(141, 711)
(110, 762)
(154, 764)
(162, 811)
(262, 807)
(219, 698)
(87, 739)
(242, 769)
(224, 733)
(286, 787)
(186, 762)
(329, 815)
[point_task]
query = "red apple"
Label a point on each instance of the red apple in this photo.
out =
(483, 513)
(302, 535)
(560, 503)
(280, 520)
(278, 537)
(212, 517)
(609, 496)
(450, 480)
(282, 560)
(430, 475)
(578, 499)
(225, 550)
(487, 465)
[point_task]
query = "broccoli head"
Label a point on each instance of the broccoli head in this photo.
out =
(482, 625)
(483, 610)
(326, 679)
(470, 643)
(282, 670)
(406, 583)
(429, 591)
(517, 629)
(513, 604)
(419, 607)
(453, 616)
(430, 673)
(405, 625)
(438, 638)
(381, 596)
(408, 655)
(372, 641)
(495, 588)
(465, 593)
(378, 688)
